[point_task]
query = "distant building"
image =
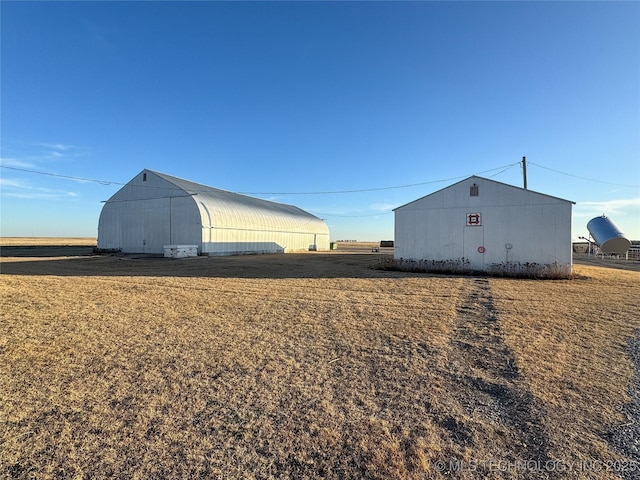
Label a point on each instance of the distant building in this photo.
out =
(484, 225)
(154, 210)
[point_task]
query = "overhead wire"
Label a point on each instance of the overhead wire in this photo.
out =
(69, 177)
(328, 192)
(375, 189)
(582, 178)
(105, 182)
(500, 169)
(386, 212)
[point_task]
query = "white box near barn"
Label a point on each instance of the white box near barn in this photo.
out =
(486, 226)
(180, 251)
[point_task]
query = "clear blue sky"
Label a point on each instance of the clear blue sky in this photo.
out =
(306, 97)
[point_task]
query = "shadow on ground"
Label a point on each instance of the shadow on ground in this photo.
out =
(290, 265)
(81, 261)
(46, 251)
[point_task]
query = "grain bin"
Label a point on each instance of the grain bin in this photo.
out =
(607, 236)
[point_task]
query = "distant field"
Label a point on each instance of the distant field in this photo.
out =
(46, 241)
(306, 366)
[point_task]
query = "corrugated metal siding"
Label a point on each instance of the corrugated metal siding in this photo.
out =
(236, 242)
(537, 227)
(235, 224)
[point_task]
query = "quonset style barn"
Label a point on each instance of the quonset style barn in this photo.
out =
(484, 225)
(154, 210)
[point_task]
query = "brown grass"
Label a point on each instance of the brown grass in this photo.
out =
(52, 241)
(302, 365)
(569, 338)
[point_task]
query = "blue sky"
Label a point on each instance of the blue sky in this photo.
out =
(302, 97)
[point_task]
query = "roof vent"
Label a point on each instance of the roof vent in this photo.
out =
(473, 192)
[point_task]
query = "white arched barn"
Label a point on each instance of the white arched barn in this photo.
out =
(484, 225)
(154, 210)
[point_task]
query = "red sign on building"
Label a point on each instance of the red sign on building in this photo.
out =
(474, 219)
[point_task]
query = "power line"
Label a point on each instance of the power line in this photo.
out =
(80, 179)
(501, 169)
(88, 180)
(353, 216)
(108, 182)
(583, 178)
(387, 212)
(505, 167)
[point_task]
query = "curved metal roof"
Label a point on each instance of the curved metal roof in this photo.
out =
(224, 209)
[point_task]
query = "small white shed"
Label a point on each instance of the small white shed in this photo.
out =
(484, 225)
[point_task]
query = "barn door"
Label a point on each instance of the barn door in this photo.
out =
(157, 224)
(473, 241)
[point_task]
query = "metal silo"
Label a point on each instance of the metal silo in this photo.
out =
(607, 236)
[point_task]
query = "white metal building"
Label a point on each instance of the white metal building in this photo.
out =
(487, 225)
(154, 210)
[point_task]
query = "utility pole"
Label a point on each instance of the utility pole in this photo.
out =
(524, 171)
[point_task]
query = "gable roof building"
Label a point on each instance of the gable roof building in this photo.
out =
(486, 226)
(154, 209)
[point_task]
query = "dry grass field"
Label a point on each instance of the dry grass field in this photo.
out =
(46, 241)
(308, 366)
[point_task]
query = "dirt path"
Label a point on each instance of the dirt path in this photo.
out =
(499, 417)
